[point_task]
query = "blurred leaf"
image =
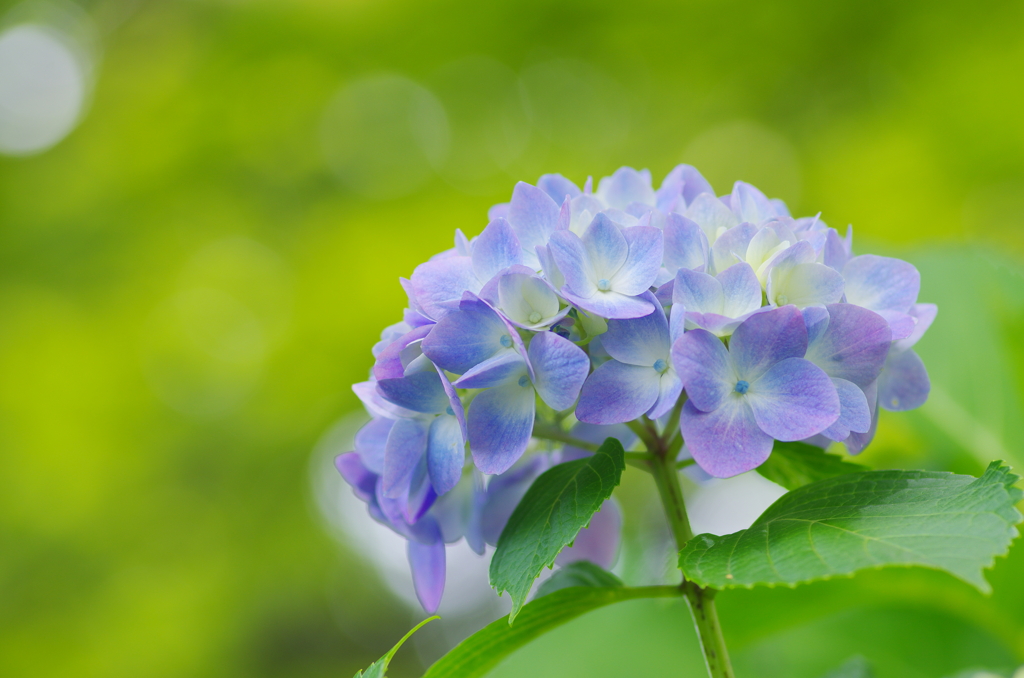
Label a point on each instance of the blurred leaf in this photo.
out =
(378, 668)
(794, 465)
(838, 526)
(579, 573)
(556, 507)
(855, 667)
(479, 653)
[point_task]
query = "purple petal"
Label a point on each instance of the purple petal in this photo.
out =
(904, 383)
(504, 493)
(405, 448)
(375, 403)
(703, 365)
(495, 249)
(750, 204)
(836, 251)
(439, 284)
(570, 255)
(685, 245)
(362, 479)
(856, 443)
(605, 246)
(669, 389)
(924, 314)
(370, 443)
(727, 441)
(793, 400)
(731, 246)
(881, 283)
(467, 337)
(533, 215)
(853, 344)
(557, 186)
(626, 186)
(617, 393)
(427, 561)
(550, 269)
(900, 324)
(741, 292)
(639, 341)
(766, 338)
(642, 263)
(686, 178)
(599, 541)
(419, 392)
(698, 292)
(500, 426)
(560, 368)
(506, 367)
(390, 363)
(446, 453)
(453, 401)
(854, 414)
(610, 304)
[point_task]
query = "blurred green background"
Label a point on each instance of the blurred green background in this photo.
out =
(193, 277)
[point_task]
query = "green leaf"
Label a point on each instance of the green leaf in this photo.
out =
(483, 650)
(579, 573)
(378, 668)
(556, 507)
(854, 667)
(794, 465)
(837, 526)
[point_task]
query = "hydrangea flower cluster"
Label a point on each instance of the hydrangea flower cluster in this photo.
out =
(592, 309)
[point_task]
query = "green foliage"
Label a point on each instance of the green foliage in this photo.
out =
(838, 526)
(556, 507)
(580, 573)
(855, 667)
(378, 669)
(482, 651)
(794, 465)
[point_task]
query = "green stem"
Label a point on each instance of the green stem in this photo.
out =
(556, 434)
(701, 601)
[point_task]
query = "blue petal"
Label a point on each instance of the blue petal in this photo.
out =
(857, 442)
(750, 204)
(438, 284)
(610, 304)
(406, 445)
(606, 249)
(686, 246)
(557, 186)
(570, 256)
(534, 216)
(626, 186)
(881, 283)
(390, 363)
(370, 443)
(616, 393)
(419, 392)
(711, 215)
(500, 426)
(446, 453)
(904, 383)
(504, 493)
(639, 341)
(643, 261)
(504, 368)
(924, 315)
(560, 368)
(669, 389)
(854, 415)
(466, 338)
(362, 479)
(427, 561)
(495, 249)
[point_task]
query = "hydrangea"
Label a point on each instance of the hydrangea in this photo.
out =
(577, 312)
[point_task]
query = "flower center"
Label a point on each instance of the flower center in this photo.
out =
(603, 285)
(535, 317)
(449, 410)
(506, 341)
(524, 380)
(660, 365)
(781, 300)
(742, 387)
